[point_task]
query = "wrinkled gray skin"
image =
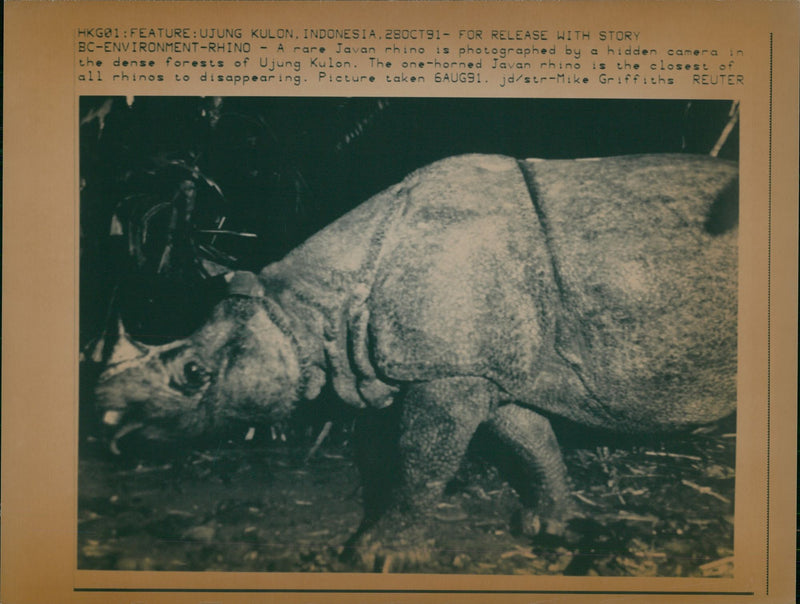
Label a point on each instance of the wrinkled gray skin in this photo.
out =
(479, 291)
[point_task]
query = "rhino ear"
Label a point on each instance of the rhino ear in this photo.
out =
(125, 349)
(244, 283)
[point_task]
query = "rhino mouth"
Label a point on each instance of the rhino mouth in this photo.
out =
(119, 430)
(118, 436)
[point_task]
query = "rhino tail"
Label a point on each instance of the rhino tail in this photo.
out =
(723, 214)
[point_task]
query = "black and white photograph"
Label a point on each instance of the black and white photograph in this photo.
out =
(408, 335)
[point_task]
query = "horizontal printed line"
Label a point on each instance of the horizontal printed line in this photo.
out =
(413, 591)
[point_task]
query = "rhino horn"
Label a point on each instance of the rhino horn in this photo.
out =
(126, 349)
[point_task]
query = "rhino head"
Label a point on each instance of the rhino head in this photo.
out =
(239, 365)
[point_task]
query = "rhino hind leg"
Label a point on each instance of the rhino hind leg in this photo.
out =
(436, 423)
(541, 477)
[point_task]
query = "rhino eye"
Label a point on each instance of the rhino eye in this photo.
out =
(189, 377)
(194, 374)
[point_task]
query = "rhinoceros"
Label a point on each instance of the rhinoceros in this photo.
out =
(481, 290)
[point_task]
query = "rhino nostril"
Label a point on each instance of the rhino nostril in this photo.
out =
(111, 418)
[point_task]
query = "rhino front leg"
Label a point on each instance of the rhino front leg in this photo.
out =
(542, 483)
(437, 421)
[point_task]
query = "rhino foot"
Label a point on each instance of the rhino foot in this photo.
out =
(392, 545)
(541, 480)
(547, 527)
